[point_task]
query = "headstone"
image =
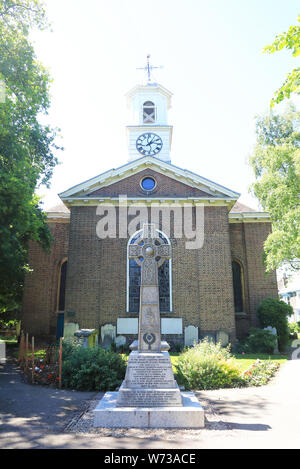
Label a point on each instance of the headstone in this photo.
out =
(2, 351)
(191, 336)
(273, 331)
(69, 329)
(222, 337)
(149, 395)
(120, 340)
(108, 335)
(87, 337)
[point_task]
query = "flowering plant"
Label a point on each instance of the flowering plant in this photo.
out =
(260, 372)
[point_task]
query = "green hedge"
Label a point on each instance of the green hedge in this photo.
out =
(92, 369)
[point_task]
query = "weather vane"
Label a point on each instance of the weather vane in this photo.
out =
(148, 69)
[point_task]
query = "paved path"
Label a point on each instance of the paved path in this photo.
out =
(265, 417)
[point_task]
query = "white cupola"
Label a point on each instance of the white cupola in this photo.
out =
(148, 131)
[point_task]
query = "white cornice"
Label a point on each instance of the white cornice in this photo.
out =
(150, 201)
(249, 217)
(58, 217)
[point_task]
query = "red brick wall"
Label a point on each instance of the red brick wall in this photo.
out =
(202, 280)
(96, 274)
(261, 284)
(246, 241)
(41, 285)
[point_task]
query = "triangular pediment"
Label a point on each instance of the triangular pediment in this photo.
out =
(173, 182)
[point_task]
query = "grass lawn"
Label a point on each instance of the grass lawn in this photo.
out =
(244, 361)
(9, 340)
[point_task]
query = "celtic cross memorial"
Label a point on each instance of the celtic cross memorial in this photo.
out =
(149, 253)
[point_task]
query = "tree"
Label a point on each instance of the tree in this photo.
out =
(276, 164)
(273, 312)
(289, 40)
(26, 146)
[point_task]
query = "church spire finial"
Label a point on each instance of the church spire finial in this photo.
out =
(148, 69)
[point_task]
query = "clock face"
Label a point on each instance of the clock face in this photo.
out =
(149, 144)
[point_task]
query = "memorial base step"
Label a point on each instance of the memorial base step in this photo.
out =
(189, 415)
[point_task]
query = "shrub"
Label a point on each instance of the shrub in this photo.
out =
(259, 372)
(274, 312)
(8, 324)
(294, 329)
(208, 366)
(259, 341)
(91, 369)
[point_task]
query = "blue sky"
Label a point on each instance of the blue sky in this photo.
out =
(213, 63)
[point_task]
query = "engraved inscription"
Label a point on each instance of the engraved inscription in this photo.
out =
(151, 398)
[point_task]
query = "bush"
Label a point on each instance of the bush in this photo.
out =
(91, 369)
(294, 329)
(208, 366)
(259, 341)
(8, 324)
(274, 312)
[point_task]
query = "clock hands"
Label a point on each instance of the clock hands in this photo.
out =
(149, 144)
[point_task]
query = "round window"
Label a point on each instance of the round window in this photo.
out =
(148, 184)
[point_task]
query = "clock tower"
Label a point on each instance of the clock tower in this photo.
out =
(149, 133)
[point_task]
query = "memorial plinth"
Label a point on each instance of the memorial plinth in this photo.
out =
(149, 396)
(149, 382)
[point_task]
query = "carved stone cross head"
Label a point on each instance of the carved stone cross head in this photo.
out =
(149, 247)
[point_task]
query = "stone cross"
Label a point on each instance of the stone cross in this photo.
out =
(150, 253)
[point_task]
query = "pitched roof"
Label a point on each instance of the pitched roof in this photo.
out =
(241, 208)
(135, 166)
(60, 208)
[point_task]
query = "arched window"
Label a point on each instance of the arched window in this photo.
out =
(238, 287)
(134, 280)
(62, 286)
(149, 116)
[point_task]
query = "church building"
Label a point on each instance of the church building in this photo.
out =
(212, 283)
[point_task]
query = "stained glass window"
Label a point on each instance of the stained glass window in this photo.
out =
(135, 281)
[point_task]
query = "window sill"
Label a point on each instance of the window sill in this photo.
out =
(161, 312)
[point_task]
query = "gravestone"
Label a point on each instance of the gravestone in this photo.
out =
(191, 336)
(108, 335)
(222, 337)
(149, 395)
(87, 337)
(273, 331)
(2, 351)
(120, 340)
(69, 329)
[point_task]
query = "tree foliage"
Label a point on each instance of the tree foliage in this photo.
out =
(26, 146)
(289, 40)
(276, 164)
(273, 312)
